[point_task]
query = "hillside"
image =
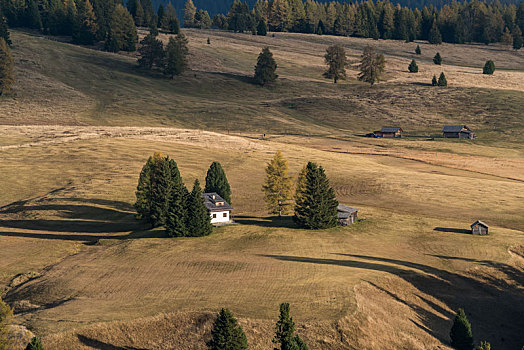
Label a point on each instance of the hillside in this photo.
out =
(83, 273)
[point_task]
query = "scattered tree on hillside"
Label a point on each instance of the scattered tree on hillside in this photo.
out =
(176, 56)
(6, 68)
(170, 20)
(4, 30)
(198, 218)
(5, 317)
(262, 28)
(151, 51)
(278, 186)
(189, 14)
(265, 68)
(35, 344)
(437, 59)
(227, 333)
(489, 67)
(442, 80)
(434, 81)
(461, 335)
(417, 50)
(216, 181)
(122, 33)
(413, 67)
(284, 331)
(335, 59)
(84, 28)
(317, 207)
(517, 38)
(484, 345)
(434, 36)
(372, 65)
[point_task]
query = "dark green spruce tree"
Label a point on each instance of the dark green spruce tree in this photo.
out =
(489, 67)
(177, 216)
(284, 331)
(35, 344)
(227, 333)
(413, 67)
(198, 219)
(262, 28)
(143, 189)
(216, 181)
(434, 81)
(4, 30)
(265, 68)
(461, 335)
(437, 59)
(417, 50)
(162, 183)
(175, 60)
(151, 51)
(434, 34)
(442, 80)
(318, 206)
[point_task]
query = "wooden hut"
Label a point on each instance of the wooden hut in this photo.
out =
(389, 131)
(346, 215)
(458, 132)
(479, 228)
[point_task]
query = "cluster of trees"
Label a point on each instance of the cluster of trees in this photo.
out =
(162, 199)
(227, 334)
(458, 22)
(441, 81)
(171, 60)
(313, 199)
(165, 18)
(86, 21)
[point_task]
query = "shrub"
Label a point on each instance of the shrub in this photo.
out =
(417, 50)
(437, 59)
(489, 67)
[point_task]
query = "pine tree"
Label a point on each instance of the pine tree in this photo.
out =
(35, 344)
(484, 345)
(300, 194)
(262, 28)
(189, 14)
(284, 331)
(434, 36)
(32, 16)
(161, 189)
(6, 68)
(227, 333)
(372, 65)
(216, 181)
(413, 68)
(131, 6)
(265, 68)
(434, 81)
(151, 51)
(442, 80)
(489, 67)
(122, 31)
(177, 212)
(507, 38)
(517, 38)
(5, 317)
(4, 30)
(84, 28)
(160, 15)
(317, 208)
(144, 189)
(335, 59)
(140, 16)
(437, 59)
(170, 20)
(176, 56)
(417, 50)
(278, 186)
(461, 335)
(198, 219)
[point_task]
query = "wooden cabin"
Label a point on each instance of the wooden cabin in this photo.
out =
(389, 131)
(479, 228)
(458, 132)
(346, 215)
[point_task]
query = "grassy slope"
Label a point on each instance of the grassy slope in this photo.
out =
(75, 185)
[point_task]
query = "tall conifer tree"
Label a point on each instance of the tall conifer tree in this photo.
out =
(284, 331)
(170, 20)
(216, 181)
(335, 59)
(85, 28)
(176, 56)
(198, 219)
(265, 69)
(278, 186)
(372, 66)
(461, 335)
(122, 31)
(189, 14)
(227, 333)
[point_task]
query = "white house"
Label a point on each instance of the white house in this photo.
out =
(218, 208)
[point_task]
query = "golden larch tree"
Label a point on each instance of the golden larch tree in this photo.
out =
(278, 187)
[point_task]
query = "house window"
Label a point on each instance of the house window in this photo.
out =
(214, 216)
(225, 215)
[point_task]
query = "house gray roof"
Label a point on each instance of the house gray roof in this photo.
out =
(454, 128)
(390, 129)
(478, 222)
(214, 202)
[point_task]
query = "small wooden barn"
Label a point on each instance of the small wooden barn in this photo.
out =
(479, 228)
(346, 215)
(390, 131)
(458, 132)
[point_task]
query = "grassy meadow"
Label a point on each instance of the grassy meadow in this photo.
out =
(82, 273)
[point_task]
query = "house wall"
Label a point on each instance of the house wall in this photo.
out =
(220, 217)
(453, 135)
(479, 230)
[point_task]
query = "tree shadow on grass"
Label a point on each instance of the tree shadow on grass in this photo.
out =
(494, 309)
(99, 345)
(452, 230)
(269, 221)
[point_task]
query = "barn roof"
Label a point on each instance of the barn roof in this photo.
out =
(345, 209)
(390, 129)
(478, 222)
(454, 128)
(211, 199)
